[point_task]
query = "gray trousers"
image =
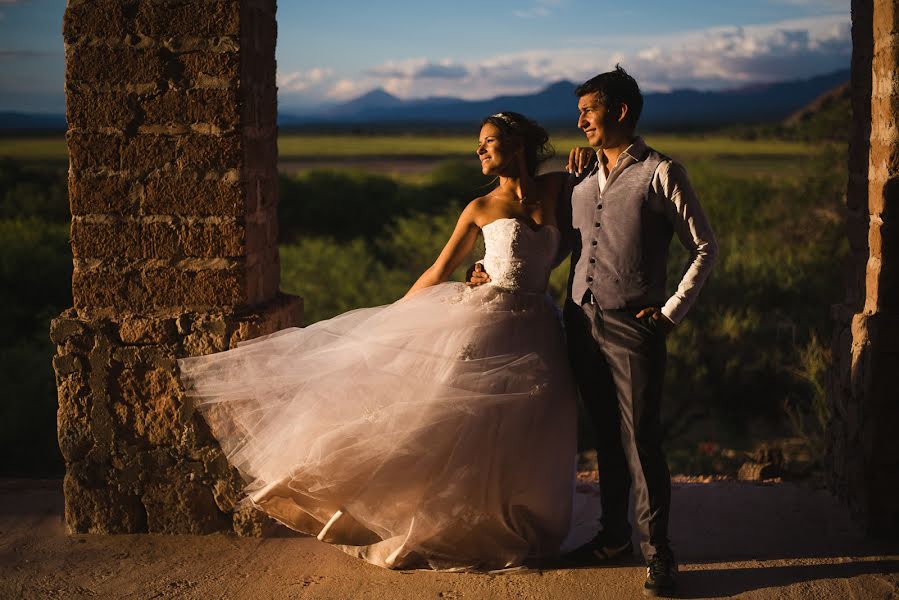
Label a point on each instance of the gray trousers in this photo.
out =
(619, 364)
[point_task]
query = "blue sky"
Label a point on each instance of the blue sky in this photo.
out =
(335, 50)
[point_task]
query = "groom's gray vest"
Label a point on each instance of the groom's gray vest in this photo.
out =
(621, 252)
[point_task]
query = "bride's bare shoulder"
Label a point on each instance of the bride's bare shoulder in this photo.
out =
(479, 209)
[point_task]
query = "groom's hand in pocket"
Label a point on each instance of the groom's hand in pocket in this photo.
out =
(476, 275)
(664, 324)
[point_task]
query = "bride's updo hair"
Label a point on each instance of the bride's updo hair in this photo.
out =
(527, 132)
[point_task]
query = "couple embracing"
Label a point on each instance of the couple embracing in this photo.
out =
(440, 431)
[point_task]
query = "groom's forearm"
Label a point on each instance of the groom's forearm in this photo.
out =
(700, 265)
(695, 233)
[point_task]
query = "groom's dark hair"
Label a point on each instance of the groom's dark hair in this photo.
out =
(615, 88)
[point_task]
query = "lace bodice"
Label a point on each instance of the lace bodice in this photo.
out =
(519, 258)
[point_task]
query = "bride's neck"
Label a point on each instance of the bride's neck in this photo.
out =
(520, 187)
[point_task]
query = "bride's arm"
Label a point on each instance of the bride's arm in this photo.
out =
(457, 248)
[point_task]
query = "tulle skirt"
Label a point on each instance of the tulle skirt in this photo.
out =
(438, 431)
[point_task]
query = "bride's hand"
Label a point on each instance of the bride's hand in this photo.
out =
(579, 159)
(476, 275)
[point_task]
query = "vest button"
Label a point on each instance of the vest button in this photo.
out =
(589, 280)
(599, 206)
(599, 224)
(593, 243)
(592, 260)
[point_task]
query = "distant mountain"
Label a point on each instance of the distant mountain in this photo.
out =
(555, 105)
(15, 121)
(836, 100)
(377, 99)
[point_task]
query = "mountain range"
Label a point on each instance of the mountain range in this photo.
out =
(556, 105)
(553, 106)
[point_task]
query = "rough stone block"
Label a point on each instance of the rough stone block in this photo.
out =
(219, 107)
(67, 327)
(882, 285)
(73, 423)
(189, 18)
(67, 364)
(227, 238)
(161, 470)
(108, 238)
(101, 508)
(148, 330)
(88, 108)
(250, 522)
(115, 195)
(96, 19)
(201, 197)
(204, 66)
(115, 64)
(883, 240)
(886, 19)
(199, 289)
(151, 288)
(148, 152)
(93, 151)
(147, 406)
(280, 313)
(204, 152)
(176, 504)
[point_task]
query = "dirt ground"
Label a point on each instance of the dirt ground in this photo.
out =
(732, 540)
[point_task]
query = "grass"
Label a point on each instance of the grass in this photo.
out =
(333, 146)
(34, 148)
(298, 146)
(741, 158)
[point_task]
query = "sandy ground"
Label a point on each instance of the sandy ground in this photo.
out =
(732, 539)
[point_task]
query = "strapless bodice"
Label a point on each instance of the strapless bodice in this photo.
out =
(519, 258)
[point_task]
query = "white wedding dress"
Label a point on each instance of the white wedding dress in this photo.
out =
(438, 431)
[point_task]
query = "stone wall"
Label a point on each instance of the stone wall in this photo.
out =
(173, 191)
(863, 394)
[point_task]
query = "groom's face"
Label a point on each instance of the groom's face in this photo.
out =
(594, 120)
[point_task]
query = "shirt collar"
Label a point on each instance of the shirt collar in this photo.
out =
(637, 151)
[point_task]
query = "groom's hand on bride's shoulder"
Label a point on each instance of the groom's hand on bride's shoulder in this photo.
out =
(662, 322)
(579, 159)
(476, 275)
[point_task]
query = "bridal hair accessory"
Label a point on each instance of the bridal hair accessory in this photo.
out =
(504, 117)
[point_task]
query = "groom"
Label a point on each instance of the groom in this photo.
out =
(624, 209)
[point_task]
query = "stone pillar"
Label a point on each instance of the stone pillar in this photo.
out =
(172, 137)
(863, 390)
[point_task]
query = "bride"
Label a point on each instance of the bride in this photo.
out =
(438, 431)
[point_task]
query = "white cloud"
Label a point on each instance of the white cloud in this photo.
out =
(716, 58)
(419, 68)
(347, 89)
(301, 81)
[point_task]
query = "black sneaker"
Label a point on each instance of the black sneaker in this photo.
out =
(602, 549)
(661, 575)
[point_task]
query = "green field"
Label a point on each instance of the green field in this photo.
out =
(317, 147)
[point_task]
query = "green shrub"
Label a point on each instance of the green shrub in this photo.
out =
(36, 275)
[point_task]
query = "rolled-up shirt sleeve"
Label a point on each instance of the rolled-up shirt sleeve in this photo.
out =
(694, 232)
